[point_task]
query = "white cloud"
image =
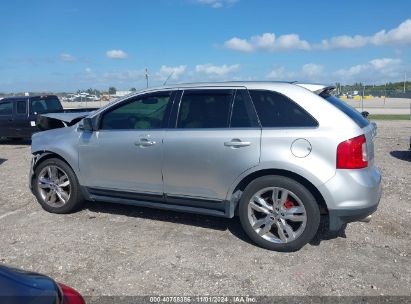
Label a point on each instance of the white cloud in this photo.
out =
(216, 3)
(175, 72)
(238, 44)
(309, 71)
(67, 57)
(267, 42)
(400, 35)
(88, 70)
(312, 70)
(397, 36)
(215, 70)
(116, 54)
(377, 70)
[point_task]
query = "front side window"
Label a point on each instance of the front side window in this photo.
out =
(205, 109)
(147, 112)
(45, 105)
(277, 110)
(6, 108)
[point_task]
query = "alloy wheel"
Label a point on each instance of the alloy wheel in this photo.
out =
(277, 215)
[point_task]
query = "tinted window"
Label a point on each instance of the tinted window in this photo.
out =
(146, 112)
(6, 108)
(45, 105)
(243, 115)
(21, 107)
(204, 109)
(360, 120)
(277, 110)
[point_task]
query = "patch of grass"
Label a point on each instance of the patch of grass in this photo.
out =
(389, 117)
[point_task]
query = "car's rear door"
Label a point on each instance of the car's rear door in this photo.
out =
(125, 155)
(216, 137)
(6, 118)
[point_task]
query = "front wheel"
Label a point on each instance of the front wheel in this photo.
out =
(278, 213)
(56, 187)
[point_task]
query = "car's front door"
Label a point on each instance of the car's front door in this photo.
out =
(21, 119)
(216, 138)
(125, 154)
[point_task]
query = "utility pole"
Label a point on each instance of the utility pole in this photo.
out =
(146, 74)
(405, 80)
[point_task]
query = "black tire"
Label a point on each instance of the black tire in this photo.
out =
(75, 201)
(305, 196)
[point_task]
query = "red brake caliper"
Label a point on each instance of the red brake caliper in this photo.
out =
(288, 204)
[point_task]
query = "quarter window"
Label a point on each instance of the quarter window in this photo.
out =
(204, 109)
(243, 114)
(6, 108)
(147, 112)
(277, 110)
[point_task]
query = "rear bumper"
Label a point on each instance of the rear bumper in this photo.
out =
(338, 218)
(352, 195)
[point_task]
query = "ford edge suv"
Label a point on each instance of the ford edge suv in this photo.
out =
(282, 156)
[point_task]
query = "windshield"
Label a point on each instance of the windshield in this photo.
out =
(360, 120)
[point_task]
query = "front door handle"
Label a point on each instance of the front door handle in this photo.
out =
(145, 142)
(237, 143)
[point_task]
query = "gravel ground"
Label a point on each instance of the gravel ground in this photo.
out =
(107, 249)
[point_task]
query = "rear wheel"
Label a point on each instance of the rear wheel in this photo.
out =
(279, 213)
(56, 187)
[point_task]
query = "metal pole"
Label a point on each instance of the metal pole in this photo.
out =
(362, 99)
(147, 77)
(405, 80)
(385, 93)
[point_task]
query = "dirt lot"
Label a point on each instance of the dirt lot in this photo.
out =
(108, 249)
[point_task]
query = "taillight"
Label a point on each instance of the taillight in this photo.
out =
(70, 296)
(352, 153)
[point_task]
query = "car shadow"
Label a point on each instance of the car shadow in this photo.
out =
(402, 155)
(181, 218)
(14, 142)
(2, 160)
(204, 221)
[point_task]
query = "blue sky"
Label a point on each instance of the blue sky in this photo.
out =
(68, 45)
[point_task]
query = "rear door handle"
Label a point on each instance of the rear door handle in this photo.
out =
(237, 143)
(145, 142)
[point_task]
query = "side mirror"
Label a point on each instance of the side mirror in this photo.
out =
(365, 114)
(86, 125)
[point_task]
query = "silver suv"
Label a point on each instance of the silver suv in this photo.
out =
(281, 156)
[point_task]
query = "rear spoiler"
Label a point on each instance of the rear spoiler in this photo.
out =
(318, 89)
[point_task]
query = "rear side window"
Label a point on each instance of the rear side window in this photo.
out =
(277, 110)
(6, 108)
(45, 105)
(21, 107)
(205, 109)
(360, 120)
